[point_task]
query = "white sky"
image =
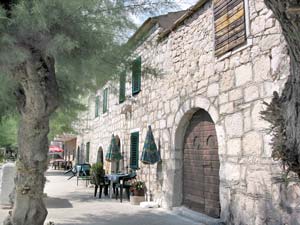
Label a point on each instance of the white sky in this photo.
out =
(182, 4)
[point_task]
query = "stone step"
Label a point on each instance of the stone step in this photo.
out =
(196, 216)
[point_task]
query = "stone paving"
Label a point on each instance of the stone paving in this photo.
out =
(69, 204)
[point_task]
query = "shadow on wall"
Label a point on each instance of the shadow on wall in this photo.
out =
(280, 207)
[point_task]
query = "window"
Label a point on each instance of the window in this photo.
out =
(97, 106)
(87, 152)
(105, 103)
(122, 87)
(134, 150)
(136, 75)
(230, 25)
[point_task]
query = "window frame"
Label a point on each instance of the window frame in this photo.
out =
(105, 100)
(134, 165)
(136, 75)
(248, 40)
(122, 87)
(97, 101)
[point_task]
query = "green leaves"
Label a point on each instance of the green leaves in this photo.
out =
(8, 134)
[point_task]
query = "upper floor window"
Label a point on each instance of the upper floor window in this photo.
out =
(230, 25)
(122, 90)
(97, 106)
(136, 75)
(105, 100)
(134, 150)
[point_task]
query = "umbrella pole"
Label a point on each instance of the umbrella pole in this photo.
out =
(149, 184)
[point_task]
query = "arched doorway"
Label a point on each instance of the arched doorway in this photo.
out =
(100, 155)
(201, 165)
(118, 142)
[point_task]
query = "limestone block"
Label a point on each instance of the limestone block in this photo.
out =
(262, 68)
(7, 182)
(202, 102)
(202, 83)
(229, 171)
(247, 121)
(234, 125)
(223, 98)
(269, 41)
(251, 93)
(257, 25)
(243, 74)
(267, 145)
(258, 122)
(227, 108)
(227, 81)
(279, 60)
(259, 5)
(221, 139)
(252, 143)
(213, 90)
(234, 147)
(259, 182)
(235, 94)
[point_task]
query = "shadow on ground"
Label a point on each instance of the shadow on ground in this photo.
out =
(60, 173)
(57, 203)
(144, 218)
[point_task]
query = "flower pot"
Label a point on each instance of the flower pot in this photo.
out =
(136, 200)
(138, 192)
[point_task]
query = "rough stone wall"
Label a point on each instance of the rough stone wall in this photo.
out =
(232, 89)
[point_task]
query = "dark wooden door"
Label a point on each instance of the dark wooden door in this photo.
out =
(201, 166)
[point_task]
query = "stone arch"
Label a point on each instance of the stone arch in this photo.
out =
(174, 165)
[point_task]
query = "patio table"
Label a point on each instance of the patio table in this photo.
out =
(115, 178)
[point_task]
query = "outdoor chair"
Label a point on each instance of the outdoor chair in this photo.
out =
(83, 172)
(103, 182)
(124, 184)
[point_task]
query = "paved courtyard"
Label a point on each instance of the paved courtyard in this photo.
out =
(69, 204)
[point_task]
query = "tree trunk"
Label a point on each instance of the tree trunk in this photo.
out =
(37, 100)
(287, 12)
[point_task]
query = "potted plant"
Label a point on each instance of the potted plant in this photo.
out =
(97, 173)
(137, 190)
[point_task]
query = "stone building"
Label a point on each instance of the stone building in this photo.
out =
(205, 73)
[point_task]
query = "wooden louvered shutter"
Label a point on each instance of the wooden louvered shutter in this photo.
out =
(136, 75)
(122, 87)
(105, 104)
(230, 26)
(97, 106)
(134, 150)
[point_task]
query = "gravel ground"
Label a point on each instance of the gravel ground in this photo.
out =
(69, 204)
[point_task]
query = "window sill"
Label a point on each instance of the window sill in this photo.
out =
(239, 49)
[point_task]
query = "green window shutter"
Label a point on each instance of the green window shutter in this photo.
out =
(97, 106)
(87, 152)
(136, 75)
(230, 25)
(122, 87)
(134, 150)
(105, 103)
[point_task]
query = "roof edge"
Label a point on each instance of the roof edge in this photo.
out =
(178, 22)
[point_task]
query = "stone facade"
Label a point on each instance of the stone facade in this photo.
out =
(231, 89)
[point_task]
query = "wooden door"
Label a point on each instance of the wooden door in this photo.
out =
(201, 166)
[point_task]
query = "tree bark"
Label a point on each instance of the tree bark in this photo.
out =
(37, 100)
(287, 12)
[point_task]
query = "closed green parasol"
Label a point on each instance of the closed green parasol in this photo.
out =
(150, 155)
(113, 153)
